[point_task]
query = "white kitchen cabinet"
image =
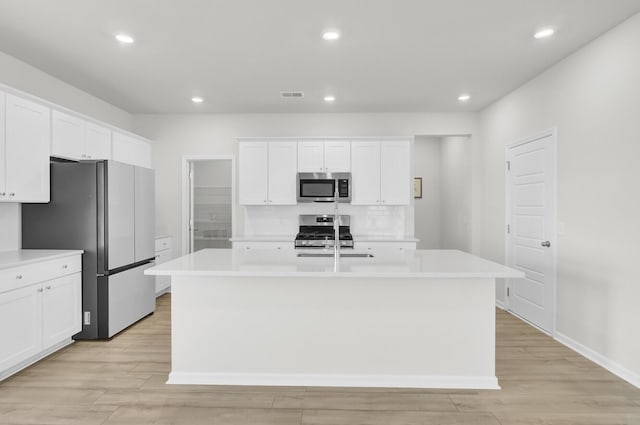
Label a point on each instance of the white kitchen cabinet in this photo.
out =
(75, 138)
(97, 142)
(365, 173)
(383, 245)
(282, 173)
(131, 150)
(380, 173)
(273, 246)
(27, 134)
(20, 326)
(40, 309)
(267, 174)
(324, 156)
(61, 307)
(163, 254)
(395, 173)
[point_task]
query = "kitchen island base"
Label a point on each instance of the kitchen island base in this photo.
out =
(422, 332)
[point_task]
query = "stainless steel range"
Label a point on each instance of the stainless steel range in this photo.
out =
(316, 231)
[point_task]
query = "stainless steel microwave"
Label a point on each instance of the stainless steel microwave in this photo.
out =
(321, 187)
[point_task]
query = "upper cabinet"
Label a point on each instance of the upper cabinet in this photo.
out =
(131, 150)
(267, 174)
(381, 173)
(317, 156)
(97, 142)
(75, 138)
(25, 165)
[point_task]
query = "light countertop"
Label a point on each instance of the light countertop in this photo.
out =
(290, 238)
(23, 257)
(385, 263)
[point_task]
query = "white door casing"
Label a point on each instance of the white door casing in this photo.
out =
(531, 228)
(188, 195)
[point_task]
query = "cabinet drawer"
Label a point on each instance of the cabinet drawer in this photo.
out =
(163, 243)
(374, 246)
(163, 256)
(17, 277)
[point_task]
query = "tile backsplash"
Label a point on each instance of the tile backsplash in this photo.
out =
(365, 220)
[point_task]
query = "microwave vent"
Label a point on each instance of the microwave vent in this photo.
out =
(291, 94)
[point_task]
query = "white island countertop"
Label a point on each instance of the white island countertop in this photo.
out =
(273, 263)
(22, 257)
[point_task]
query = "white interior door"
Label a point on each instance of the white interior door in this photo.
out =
(531, 215)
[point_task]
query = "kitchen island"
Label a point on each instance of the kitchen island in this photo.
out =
(414, 318)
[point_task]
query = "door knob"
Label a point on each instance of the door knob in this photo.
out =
(546, 244)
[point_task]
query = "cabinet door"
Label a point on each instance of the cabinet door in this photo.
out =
(97, 142)
(67, 136)
(395, 177)
(3, 192)
(27, 138)
(310, 157)
(282, 173)
(130, 150)
(61, 309)
(337, 156)
(162, 282)
(253, 164)
(365, 173)
(20, 325)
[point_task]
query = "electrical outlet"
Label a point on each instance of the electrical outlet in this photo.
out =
(87, 318)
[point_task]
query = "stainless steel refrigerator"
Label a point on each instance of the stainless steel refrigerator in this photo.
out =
(105, 208)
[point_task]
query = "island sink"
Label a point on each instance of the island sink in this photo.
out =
(327, 255)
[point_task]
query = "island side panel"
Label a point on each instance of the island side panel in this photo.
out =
(337, 331)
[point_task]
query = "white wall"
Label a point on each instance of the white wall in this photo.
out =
(426, 164)
(592, 97)
(23, 77)
(10, 226)
(455, 159)
(443, 215)
(179, 135)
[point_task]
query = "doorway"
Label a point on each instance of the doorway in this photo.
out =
(531, 228)
(443, 209)
(208, 202)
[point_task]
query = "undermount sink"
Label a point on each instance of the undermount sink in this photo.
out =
(327, 255)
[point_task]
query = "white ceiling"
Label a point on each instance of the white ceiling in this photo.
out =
(394, 55)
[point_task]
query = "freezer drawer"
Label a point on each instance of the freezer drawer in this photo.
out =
(130, 296)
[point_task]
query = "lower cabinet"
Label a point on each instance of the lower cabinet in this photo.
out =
(275, 246)
(163, 254)
(35, 319)
(20, 325)
(61, 309)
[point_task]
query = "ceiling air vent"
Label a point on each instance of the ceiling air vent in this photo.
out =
(291, 94)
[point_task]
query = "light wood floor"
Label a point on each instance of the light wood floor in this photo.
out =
(122, 382)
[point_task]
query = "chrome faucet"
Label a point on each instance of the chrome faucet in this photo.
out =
(336, 232)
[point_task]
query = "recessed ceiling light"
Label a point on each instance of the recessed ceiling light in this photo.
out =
(544, 32)
(331, 35)
(197, 99)
(124, 38)
(329, 98)
(464, 97)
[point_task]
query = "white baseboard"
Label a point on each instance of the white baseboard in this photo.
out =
(500, 304)
(599, 359)
(383, 381)
(4, 374)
